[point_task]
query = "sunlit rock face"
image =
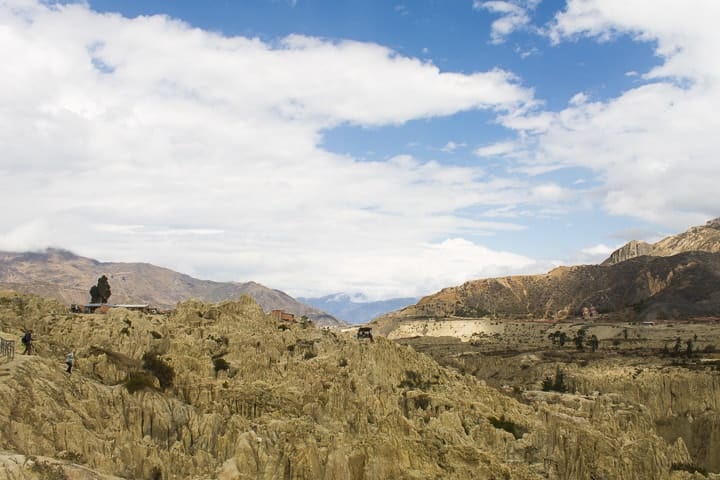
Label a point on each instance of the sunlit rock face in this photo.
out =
(703, 238)
(287, 401)
(680, 286)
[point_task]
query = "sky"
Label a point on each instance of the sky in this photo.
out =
(375, 147)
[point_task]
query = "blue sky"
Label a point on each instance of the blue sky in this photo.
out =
(386, 148)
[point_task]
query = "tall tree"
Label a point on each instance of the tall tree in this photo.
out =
(100, 293)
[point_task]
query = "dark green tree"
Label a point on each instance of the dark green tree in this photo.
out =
(558, 338)
(100, 293)
(678, 344)
(580, 339)
(594, 342)
(557, 384)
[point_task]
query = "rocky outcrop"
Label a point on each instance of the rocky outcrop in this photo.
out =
(682, 404)
(68, 277)
(630, 250)
(704, 238)
(289, 401)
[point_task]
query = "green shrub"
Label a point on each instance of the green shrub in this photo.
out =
(687, 467)
(557, 384)
(422, 401)
(138, 381)
(509, 426)
(220, 364)
(414, 380)
(158, 367)
(156, 473)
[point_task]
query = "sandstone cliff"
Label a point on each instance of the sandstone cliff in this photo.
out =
(288, 401)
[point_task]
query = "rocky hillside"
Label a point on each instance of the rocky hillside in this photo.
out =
(68, 277)
(226, 392)
(680, 286)
(704, 238)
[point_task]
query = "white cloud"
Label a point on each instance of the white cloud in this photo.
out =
(402, 10)
(32, 235)
(599, 249)
(496, 149)
(550, 192)
(653, 147)
(147, 140)
(578, 99)
(515, 15)
(452, 146)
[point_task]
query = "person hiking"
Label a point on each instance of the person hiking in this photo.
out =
(70, 361)
(27, 341)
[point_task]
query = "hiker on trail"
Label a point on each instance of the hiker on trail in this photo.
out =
(70, 361)
(27, 341)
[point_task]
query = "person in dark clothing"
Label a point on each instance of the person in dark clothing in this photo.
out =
(27, 341)
(70, 361)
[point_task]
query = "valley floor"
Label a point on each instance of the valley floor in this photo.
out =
(670, 369)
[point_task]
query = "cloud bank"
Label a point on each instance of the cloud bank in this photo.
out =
(653, 148)
(147, 139)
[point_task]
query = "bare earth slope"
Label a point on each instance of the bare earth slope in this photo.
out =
(683, 285)
(68, 277)
(289, 401)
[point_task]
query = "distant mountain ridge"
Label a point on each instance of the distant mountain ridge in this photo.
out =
(355, 308)
(705, 238)
(67, 277)
(679, 278)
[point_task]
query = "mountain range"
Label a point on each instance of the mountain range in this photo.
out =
(356, 308)
(67, 277)
(677, 277)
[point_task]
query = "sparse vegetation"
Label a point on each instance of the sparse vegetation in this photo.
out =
(220, 364)
(49, 471)
(687, 467)
(558, 338)
(162, 371)
(414, 380)
(156, 473)
(509, 426)
(137, 381)
(594, 343)
(556, 384)
(580, 339)
(221, 341)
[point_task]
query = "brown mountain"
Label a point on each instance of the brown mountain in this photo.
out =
(68, 277)
(704, 238)
(677, 277)
(687, 284)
